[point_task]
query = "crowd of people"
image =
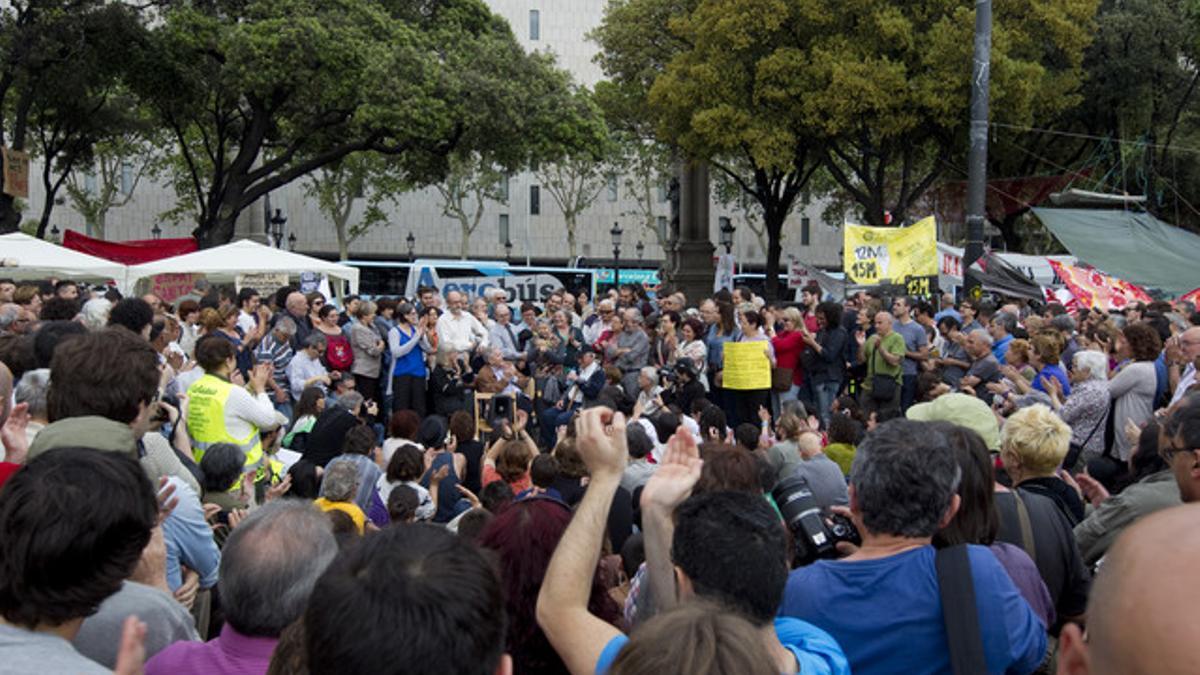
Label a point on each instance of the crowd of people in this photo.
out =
(233, 483)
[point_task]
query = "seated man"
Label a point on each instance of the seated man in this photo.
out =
(271, 562)
(882, 604)
(435, 606)
(501, 378)
(68, 507)
(714, 539)
(584, 387)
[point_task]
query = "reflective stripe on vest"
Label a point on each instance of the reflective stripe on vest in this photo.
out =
(206, 421)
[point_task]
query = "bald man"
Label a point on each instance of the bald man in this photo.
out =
(1182, 352)
(1141, 613)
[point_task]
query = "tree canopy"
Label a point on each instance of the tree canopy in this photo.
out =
(258, 93)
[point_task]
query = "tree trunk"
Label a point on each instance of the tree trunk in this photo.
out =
(570, 237)
(219, 230)
(464, 246)
(1008, 230)
(343, 243)
(100, 224)
(10, 218)
(773, 223)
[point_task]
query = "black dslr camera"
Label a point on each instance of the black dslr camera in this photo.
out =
(815, 531)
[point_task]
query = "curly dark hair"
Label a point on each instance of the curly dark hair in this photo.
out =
(1144, 343)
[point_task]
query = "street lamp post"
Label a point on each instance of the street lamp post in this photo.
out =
(54, 233)
(277, 222)
(616, 240)
(641, 250)
(726, 234)
(508, 247)
(156, 231)
(412, 244)
(292, 241)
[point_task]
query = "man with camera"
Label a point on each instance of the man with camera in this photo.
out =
(884, 603)
(683, 386)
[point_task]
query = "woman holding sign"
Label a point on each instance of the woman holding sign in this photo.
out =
(747, 367)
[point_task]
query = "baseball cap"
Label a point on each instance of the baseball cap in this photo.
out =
(961, 409)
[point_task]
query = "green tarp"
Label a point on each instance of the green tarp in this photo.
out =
(1136, 247)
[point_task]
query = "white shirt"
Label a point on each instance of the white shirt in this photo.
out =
(461, 333)
(1185, 381)
(247, 322)
(245, 413)
(575, 393)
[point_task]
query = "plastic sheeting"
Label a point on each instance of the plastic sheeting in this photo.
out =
(1133, 246)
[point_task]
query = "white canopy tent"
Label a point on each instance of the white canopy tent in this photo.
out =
(225, 263)
(26, 257)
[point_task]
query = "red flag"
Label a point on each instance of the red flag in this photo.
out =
(1094, 289)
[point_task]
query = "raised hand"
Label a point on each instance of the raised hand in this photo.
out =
(469, 496)
(600, 435)
(1091, 489)
(12, 434)
(167, 501)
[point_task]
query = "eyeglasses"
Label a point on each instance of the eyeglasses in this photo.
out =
(1168, 453)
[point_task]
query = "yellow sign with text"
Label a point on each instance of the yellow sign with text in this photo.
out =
(746, 366)
(875, 255)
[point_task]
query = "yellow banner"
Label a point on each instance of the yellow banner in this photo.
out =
(746, 366)
(875, 255)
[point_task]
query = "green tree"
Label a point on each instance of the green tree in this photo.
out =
(340, 186)
(711, 90)
(572, 156)
(117, 164)
(60, 65)
(258, 93)
(470, 184)
(888, 86)
(645, 167)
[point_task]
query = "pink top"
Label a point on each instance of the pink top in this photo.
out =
(230, 654)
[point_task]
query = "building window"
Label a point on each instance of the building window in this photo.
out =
(502, 188)
(535, 200)
(503, 228)
(612, 187)
(126, 178)
(663, 190)
(535, 24)
(663, 235)
(804, 231)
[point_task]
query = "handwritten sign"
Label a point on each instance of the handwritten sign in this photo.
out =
(746, 366)
(882, 255)
(16, 173)
(171, 287)
(265, 283)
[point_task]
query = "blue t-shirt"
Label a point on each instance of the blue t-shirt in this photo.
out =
(1057, 373)
(914, 338)
(815, 650)
(887, 613)
(1000, 348)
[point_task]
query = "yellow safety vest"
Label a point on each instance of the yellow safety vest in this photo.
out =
(206, 421)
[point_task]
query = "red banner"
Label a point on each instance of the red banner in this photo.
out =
(133, 252)
(1191, 296)
(1100, 291)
